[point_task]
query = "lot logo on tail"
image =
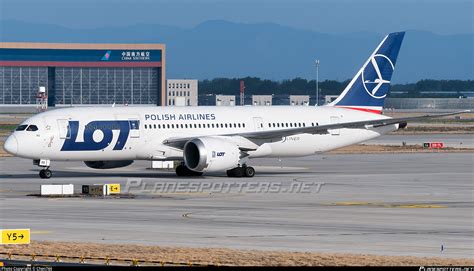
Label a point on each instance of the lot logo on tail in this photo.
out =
(102, 139)
(378, 68)
(371, 84)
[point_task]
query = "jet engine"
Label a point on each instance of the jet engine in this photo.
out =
(108, 164)
(402, 125)
(211, 154)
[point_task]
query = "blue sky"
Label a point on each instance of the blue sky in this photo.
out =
(329, 16)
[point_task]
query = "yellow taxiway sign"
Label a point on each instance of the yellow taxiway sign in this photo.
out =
(15, 236)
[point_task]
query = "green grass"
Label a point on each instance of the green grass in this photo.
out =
(7, 127)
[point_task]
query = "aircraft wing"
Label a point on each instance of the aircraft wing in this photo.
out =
(271, 135)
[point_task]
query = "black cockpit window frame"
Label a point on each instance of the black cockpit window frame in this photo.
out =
(32, 128)
(21, 127)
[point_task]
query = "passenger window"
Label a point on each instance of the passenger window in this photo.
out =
(243, 124)
(159, 126)
(21, 128)
(32, 128)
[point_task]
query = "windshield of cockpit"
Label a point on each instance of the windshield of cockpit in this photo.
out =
(27, 127)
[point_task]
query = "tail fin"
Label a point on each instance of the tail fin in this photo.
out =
(368, 88)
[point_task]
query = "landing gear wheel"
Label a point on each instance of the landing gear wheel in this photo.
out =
(236, 172)
(45, 174)
(239, 172)
(230, 173)
(249, 172)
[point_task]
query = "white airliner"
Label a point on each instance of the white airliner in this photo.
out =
(214, 139)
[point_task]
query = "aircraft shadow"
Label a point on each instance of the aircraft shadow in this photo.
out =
(33, 174)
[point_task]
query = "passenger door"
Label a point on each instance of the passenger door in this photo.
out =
(63, 128)
(334, 120)
(258, 122)
(134, 128)
(133, 123)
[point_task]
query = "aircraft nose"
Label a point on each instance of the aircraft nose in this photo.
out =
(11, 145)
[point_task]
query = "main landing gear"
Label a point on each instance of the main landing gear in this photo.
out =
(45, 173)
(183, 170)
(243, 171)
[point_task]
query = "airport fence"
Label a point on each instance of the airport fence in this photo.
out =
(429, 103)
(99, 260)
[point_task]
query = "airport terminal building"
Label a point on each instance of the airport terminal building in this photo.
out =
(82, 74)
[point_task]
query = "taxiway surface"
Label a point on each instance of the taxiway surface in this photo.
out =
(393, 204)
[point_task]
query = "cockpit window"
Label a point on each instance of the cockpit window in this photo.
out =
(32, 128)
(21, 128)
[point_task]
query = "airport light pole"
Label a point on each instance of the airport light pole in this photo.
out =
(317, 81)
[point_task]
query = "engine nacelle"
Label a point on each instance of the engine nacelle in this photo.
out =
(108, 164)
(211, 154)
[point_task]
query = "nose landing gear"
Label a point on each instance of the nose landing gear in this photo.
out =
(45, 173)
